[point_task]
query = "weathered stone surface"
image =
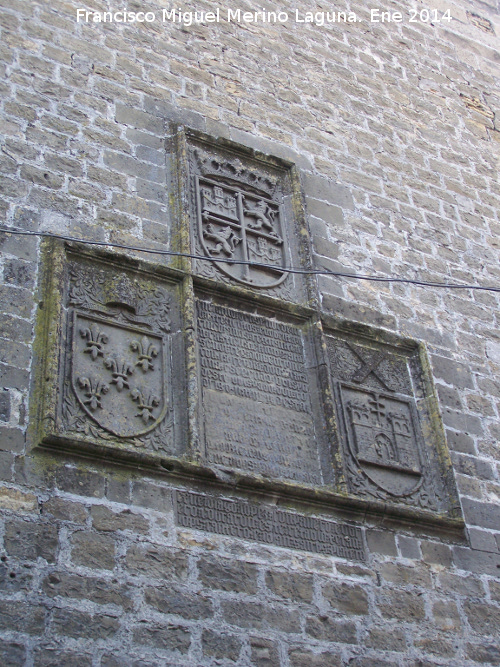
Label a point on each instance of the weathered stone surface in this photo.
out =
(304, 658)
(346, 599)
(82, 625)
(329, 629)
(483, 540)
(376, 662)
(15, 500)
(446, 616)
(436, 645)
(106, 520)
(46, 656)
(291, 585)
(22, 617)
(452, 373)
(15, 578)
(489, 653)
(381, 542)
(29, 541)
(11, 439)
(494, 590)
(179, 603)
(4, 406)
(221, 646)
(12, 653)
(461, 585)
(101, 591)
(65, 510)
(486, 515)
(171, 637)
(479, 562)
(483, 618)
(264, 652)
(80, 482)
(150, 495)
(224, 575)
(157, 562)
(323, 189)
(399, 574)
(402, 605)
(244, 614)
(387, 639)
(409, 547)
(93, 550)
(433, 552)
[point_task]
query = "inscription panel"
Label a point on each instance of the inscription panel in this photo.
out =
(268, 525)
(256, 395)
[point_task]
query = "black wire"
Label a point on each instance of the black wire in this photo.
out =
(311, 272)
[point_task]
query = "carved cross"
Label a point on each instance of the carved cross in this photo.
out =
(377, 408)
(371, 362)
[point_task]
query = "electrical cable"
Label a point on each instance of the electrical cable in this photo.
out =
(311, 272)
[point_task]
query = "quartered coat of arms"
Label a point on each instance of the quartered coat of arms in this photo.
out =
(118, 365)
(240, 221)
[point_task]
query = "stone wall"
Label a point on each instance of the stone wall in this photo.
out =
(393, 129)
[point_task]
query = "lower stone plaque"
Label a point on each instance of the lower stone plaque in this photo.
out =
(257, 395)
(259, 523)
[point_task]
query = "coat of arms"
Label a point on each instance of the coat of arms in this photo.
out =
(118, 366)
(244, 230)
(117, 375)
(382, 439)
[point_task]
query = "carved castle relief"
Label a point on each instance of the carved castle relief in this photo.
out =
(381, 424)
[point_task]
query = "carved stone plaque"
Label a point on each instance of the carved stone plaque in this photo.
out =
(383, 413)
(120, 353)
(268, 525)
(243, 221)
(257, 395)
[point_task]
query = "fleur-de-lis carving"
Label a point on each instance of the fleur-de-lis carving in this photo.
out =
(119, 369)
(146, 351)
(95, 340)
(146, 403)
(95, 390)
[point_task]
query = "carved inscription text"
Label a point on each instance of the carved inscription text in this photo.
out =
(256, 395)
(252, 357)
(268, 525)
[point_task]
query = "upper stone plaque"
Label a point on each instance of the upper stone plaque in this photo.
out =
(244, 219)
